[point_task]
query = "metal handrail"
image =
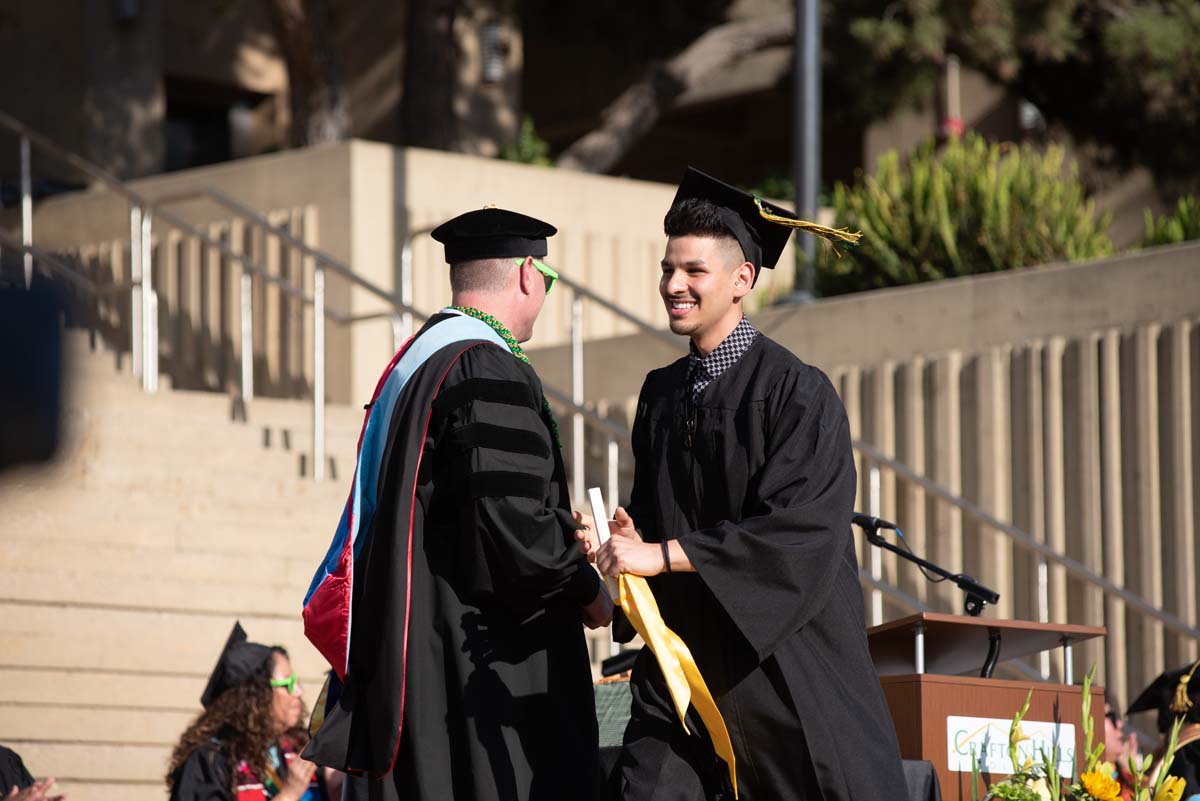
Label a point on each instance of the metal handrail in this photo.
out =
(642, 325)
(286, 236)
(1072, 566)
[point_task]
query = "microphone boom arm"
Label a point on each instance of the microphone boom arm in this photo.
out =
(977, 594)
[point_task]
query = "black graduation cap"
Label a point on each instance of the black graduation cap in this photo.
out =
(492, 233)
(1172, 694)
(760, 227)
(239, 661)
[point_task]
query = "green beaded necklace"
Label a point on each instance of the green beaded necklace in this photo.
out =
(515, 347)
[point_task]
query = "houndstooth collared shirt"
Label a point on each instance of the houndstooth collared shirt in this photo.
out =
(703, 370)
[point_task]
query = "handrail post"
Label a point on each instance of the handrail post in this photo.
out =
(136, 314)
(398, 335)
(876, 555)
(247, 314)
(577, 397)
(27, 209)
(149, 307)
(614, 499)
(406, 288)
(318, 448)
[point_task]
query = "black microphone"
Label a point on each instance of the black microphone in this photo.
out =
(871, 523)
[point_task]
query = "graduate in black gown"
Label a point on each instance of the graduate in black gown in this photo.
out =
(243, 745)
(1176, 694)
(743, 490)
(464, 667)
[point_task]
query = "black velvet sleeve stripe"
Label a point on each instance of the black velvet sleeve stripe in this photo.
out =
(501, 438)
(505, 483)
(513, 393)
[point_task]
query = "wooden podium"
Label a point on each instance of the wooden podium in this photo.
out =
(922, 659)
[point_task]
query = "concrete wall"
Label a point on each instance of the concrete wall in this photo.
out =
(358, 201)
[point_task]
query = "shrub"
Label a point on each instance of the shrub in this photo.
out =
(970, 207)
(1181, 225)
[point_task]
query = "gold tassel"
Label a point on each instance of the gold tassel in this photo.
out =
(825, 232)
(1182, 703)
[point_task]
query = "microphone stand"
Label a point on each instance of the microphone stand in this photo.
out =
(977, 594)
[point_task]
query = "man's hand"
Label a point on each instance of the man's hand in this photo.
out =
(625, 552)
(588, 539)
(38, 791)
(598, 613)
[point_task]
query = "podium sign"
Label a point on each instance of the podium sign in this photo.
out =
(946, 718)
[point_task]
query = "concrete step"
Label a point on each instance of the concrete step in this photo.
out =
(50, 723)
(152, 594)
(194, 536)
(129, 691)
(117, 562)
(83, 763)
(162, 643)
(165, 520)
(115, 791)
(240, 487)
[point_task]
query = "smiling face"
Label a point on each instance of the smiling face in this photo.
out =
(703, 281)
(286, 707)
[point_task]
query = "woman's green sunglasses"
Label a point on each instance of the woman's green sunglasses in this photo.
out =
(548, 273)
(289, 682)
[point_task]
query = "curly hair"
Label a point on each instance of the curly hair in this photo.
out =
(240, 722)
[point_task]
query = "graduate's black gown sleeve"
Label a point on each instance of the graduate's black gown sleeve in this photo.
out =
(774, 569)
(12, 772)
(204, 776)
(516, 535)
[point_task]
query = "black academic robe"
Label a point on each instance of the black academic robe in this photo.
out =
(203, 776)
(490, 696)
(760, 501)
(12, 772)
(1186, 764)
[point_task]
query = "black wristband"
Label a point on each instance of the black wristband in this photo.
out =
(666, 556)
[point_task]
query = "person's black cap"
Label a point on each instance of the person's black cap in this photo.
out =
(762, 241)
(760, 227)
(1169, 695)
(239, 661)
(493, 233)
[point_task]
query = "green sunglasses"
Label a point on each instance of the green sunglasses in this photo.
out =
(289, 682)
(548, 273)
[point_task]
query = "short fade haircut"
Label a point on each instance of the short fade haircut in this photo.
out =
(695, 216)
(481, 275)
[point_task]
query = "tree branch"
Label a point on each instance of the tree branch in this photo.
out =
(636, 110)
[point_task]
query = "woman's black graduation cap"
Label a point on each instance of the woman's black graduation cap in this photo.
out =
(492, 233)
(760, 227)
(239, 661)
(1174, 693)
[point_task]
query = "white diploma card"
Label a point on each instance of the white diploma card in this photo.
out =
(596, 499)
(600, 521)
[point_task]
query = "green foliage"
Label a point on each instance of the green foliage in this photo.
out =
(529, 147)
(971, 207)
(1181, 225)
(1014, 792)
(1122, 76)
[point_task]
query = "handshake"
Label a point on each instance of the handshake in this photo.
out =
(622, 552)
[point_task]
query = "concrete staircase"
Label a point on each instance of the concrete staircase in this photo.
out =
(123, 566)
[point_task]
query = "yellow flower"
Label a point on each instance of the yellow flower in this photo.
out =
(1039, 787)
(1107, 768)
(1018, 735)
(1101, 786)
(1171, 790)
